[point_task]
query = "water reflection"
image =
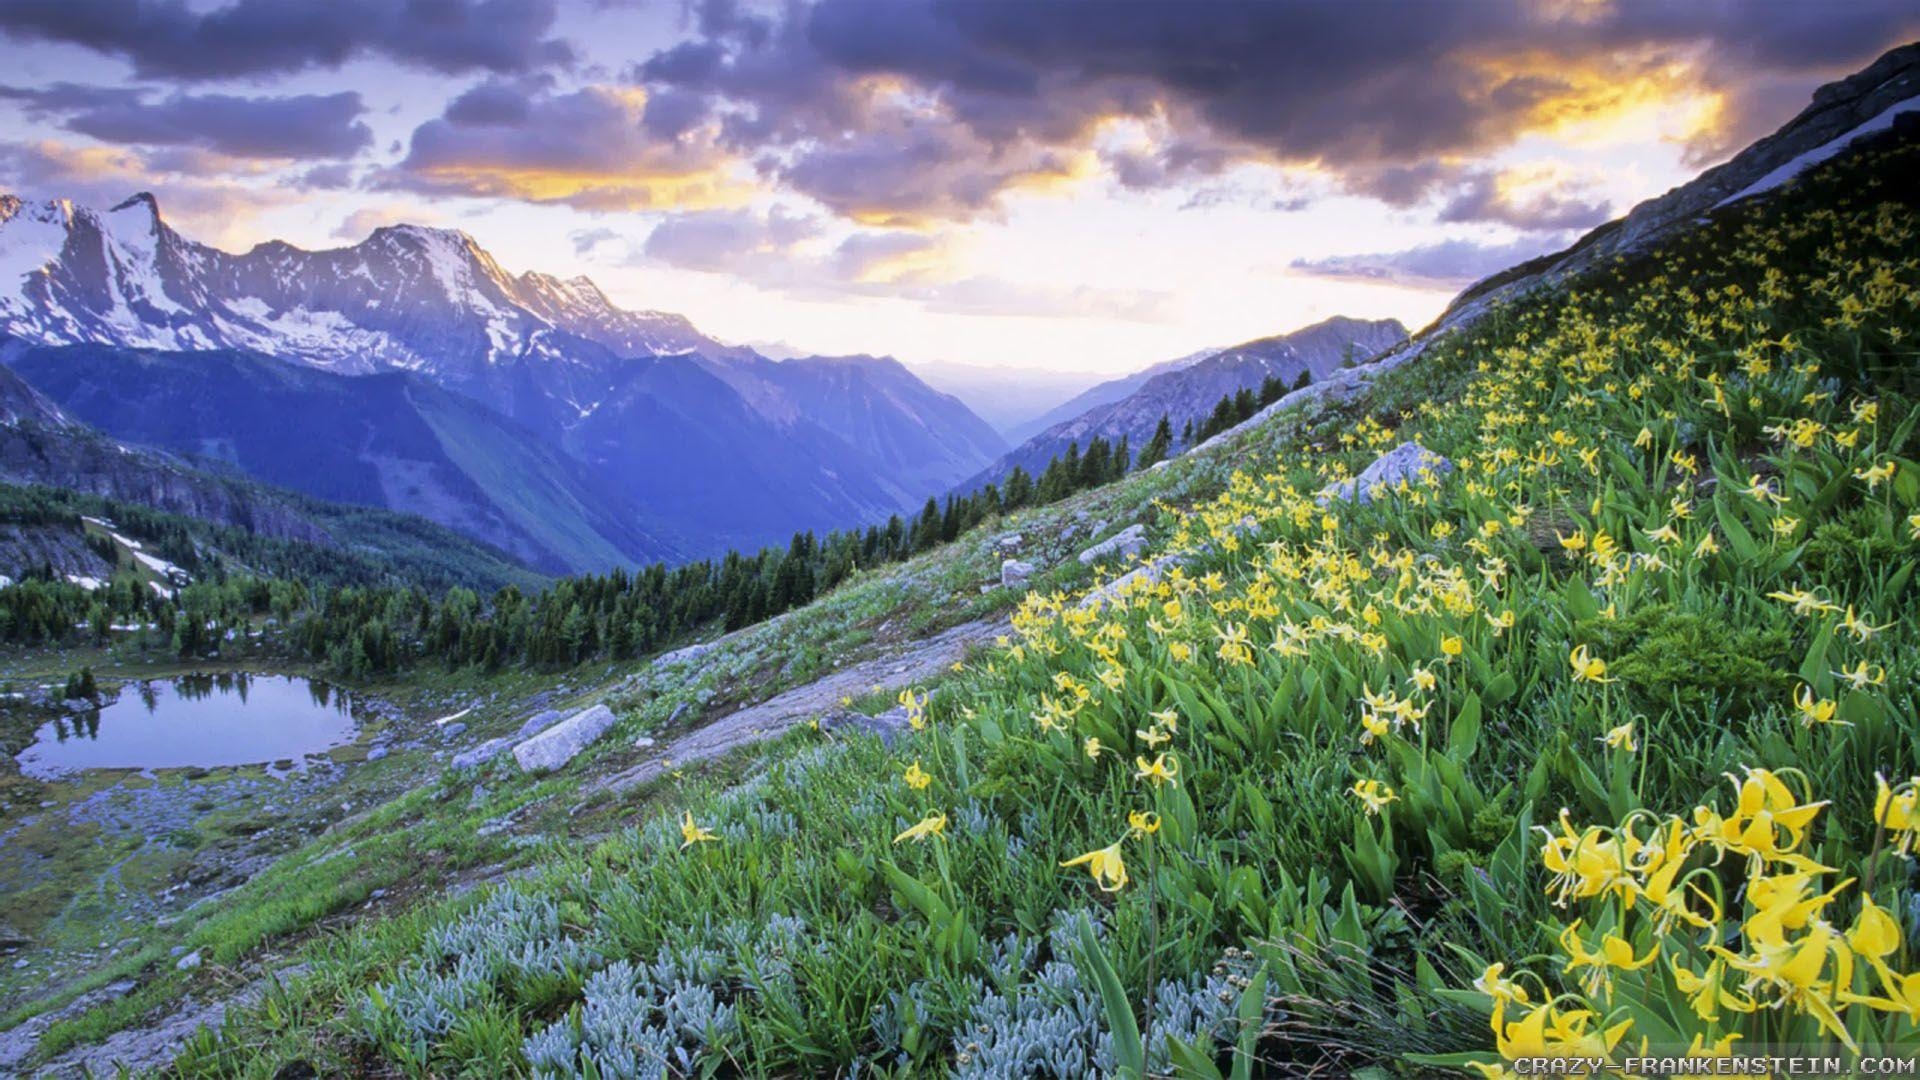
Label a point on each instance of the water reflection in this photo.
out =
(196, 720)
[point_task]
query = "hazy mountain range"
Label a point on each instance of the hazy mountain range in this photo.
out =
(1187, 389)
(410, 371)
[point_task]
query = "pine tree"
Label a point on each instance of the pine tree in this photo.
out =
(1155, 451)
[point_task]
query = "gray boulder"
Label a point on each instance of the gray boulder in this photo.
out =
(686, 655)
(887, 726)
(537, 723)
(561, 743)
(1402, 463)
(1015, 572)
(1125, 544)
(480, 755)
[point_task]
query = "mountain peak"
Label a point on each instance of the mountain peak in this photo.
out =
(141, 200)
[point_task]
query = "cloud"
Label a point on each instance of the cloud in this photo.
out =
(728, 241)
(1445, 266)
(586, 241)
(784, 252)
(1534, 200)
(358, 225)
(586, 148)
(334, 176)
(167, 38)
(208, 205)
(918, 110)
(303, 126)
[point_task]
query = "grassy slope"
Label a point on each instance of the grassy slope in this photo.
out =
(805, 936)
(527, 482)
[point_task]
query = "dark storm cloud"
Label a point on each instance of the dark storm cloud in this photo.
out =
(914, 108)
(1447, 265)
(168, 38)
(589, 148)
(301, 126)
(304, 126)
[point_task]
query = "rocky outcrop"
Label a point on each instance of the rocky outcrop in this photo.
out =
(561, 743)
(1409, 463)
(1015, 572)
(1125, 544)
(480, 755)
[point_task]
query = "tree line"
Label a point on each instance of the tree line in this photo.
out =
(366, 626)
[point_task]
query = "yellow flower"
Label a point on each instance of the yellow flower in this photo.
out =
(1643, 440)
(1862, 630)
(1092, 748)
(916, 777)
(1762, 490)
(1373, 795)
(1423, 679)
(1804, 602)
(1167, 718)
(1163, 769)
(1875, 475)
(1587, 667)
(1863, 675)
(1152, 738)
(1576, 542)
(1621, 738)
(1452, 645)
(1499, 988)
(1812, 711)
(1784, 526)
(1707, 546)
(1897, 809)
(693, 834)
(1143, 822)
(1109, 870)
(931, 825)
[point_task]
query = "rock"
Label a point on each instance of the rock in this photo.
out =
(11, 938)
(176, 950)
(1015, 572)
(643, 742)
(887, 726)
(377, 753)
(480, 755)
(690, 653)
(189, 961)
(679, 711)
(454, 730)
(537, 723)
(1124, 544)
(1139, 577)
(561, 743)
(1008, 542)
(1402, 464)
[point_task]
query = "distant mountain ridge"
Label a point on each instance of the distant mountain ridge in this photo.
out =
(694, 445)
(1187, 388)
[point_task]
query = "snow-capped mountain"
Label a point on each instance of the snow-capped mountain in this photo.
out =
(709, 444)
(407, 297)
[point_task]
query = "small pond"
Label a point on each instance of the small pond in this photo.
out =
(197, 720)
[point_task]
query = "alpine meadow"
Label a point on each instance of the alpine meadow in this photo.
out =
(412, 667)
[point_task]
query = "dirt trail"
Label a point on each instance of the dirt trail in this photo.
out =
(906, 665)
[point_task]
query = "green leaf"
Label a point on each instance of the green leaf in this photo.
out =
(1129, 1053)
(1463, 738)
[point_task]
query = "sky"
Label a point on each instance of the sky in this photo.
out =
(1069, 185)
